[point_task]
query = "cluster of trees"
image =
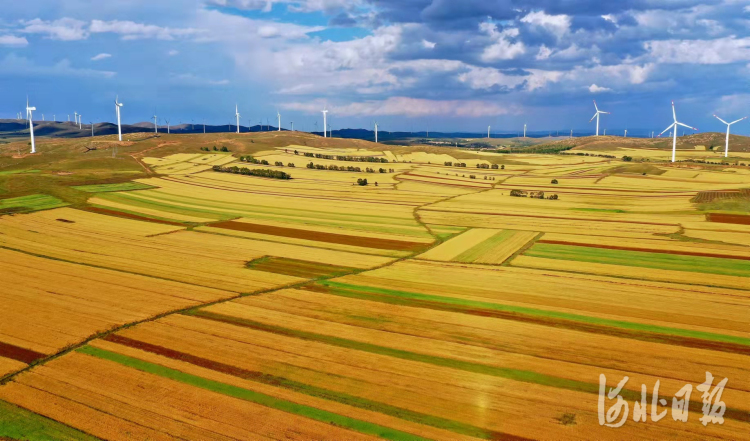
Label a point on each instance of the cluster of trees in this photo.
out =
(252, 160)
(222, 149)
(346, 158)
(591, 154)
(457, 164)
(540, 149)
(363, 182)
(532, 194)
(347, 168)
(627, 158)
(264, 173)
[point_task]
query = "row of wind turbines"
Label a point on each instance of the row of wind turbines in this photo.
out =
(672, 127)
(597, 115)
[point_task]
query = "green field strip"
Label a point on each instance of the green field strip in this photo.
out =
(104, 188)
(480, 249)
(478, 368)
(252, 396)
(307, 389)
(17, 423)
(18, 172)
(146, 201)
(642, 259)
(29, 203)
(553, 318)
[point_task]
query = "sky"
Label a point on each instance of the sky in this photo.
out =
(410, 65)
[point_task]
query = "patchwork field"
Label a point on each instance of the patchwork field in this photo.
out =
(187, 303)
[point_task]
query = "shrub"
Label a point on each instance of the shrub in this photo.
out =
(291, 164)
(224, 149)
(518, 193)
(362, 182)
(627, 158)
(215, 149)
(554, 181)
(278, 164)
(502, 167)
(553, 197)
(495, 166)
(264, 162)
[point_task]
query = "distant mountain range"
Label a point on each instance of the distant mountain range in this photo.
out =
(15, 128)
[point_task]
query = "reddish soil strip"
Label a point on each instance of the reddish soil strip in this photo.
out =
(131, 216)
(367, 242)
(613, 190)
(279, 382)
(549, 217)
(297, 268)
(17, 353)
(740, 219)
(645, 250)
(648, 336)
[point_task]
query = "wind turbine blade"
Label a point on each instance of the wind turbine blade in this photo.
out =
(606, 113)
(592, 118)
(689, 127)
(737, 121)
(674, 114)
(720, 119)
(668, 128)
(595, 107)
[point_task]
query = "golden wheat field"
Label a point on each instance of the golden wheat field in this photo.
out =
(208, 297)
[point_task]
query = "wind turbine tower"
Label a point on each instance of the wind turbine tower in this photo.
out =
(325, 114)
(237, 115)
(376, 132)
(117, 111)
(80, 118)
(524, 130)
(596, 115)
(75, 117)
(278, 115)
(156, 126)
(29, 111)
(726, 149)
(674, 135)
(167, 121)
(488, 132)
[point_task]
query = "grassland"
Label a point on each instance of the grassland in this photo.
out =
(147, 297)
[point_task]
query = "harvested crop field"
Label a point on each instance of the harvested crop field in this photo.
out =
(197, 305)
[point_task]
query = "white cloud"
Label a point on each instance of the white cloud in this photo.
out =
(556, 24)
(131, 30)
(292, 5)
(173, 52)
(409, 107)
(12, 40)
(486, 77)
(597, 89)
(719, 51)
(610, 18)
(428, 44)
(544, 53)
(503, 48)
(101, 56)
(66, 29)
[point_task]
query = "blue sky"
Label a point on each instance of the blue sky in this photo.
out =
(409, 64)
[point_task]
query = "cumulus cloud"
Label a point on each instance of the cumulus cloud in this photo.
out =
(428, 44)
(101, 56)
(65, 29)
(12, 40)
(555, 24)
(718, 51)
(130, 30)
(598, 89)
(504, 47)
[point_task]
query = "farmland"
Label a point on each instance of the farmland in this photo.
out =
(148, 296)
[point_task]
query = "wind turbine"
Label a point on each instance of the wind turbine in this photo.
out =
(29, 111)
(292, 123)
(376, 132)
(596, 115)
(75, 118)
(80, 118)
(156, 126)
(43, 117)
(325, 113)
(674, 136)
(278, 115)
(117, 111)
(92, 128)
(726, 149)
(488, 132)
(524, 130)
(167, 121)
(626, 133)
(237, 115)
